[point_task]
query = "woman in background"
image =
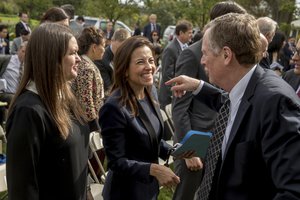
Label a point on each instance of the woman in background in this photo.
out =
(132, 127)
(56, 15)
(88, 85)
(156, 45)
(47, 147)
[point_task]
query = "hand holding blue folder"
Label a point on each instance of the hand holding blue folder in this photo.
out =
(193, 141)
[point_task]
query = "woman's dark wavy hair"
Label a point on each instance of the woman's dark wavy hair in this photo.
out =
(88, 37)
(121, 64)
(54, 14)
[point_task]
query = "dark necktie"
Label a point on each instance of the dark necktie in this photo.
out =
(214, 151)
(298, 93)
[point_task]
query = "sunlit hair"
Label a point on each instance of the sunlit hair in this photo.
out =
(184, 26)
(240, 33)
(54, 14)
(120, 35)
(88, 37)
(225, 7)
(122, 61)
(43, 64)
(266, 25)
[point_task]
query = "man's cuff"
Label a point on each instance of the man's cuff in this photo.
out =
(195, 92)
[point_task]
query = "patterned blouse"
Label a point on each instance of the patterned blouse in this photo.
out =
(88, 87)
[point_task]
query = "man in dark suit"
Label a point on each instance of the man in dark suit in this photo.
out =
(151, 26)
(189, 114)
(4, 43)
(258, 151)
(292, 76)
(23, 24)
(170, 54)
(106, 64)
(108, 32)
(267, 27)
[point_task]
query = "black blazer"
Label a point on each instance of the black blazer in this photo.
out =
(293, 79)
(130, 150)
(105, 68)
(19, 28)
(187, 112)
(261, 160)
(168, 63)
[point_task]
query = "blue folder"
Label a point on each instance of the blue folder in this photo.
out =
(193, 141)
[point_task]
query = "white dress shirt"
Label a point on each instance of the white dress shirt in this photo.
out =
(235, 97)
(12, 74)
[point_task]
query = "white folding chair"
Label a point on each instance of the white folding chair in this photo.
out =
(95, 145)
(168, 125)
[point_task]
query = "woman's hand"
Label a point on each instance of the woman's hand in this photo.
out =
(164, 175)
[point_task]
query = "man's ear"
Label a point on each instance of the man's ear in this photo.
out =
(227, 53)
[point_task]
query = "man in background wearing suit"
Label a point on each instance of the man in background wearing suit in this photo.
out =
(4, 43)
(184, 34)
(189, 114)
(292, 76)
(108, 32)
(258, 149)
(19, 40)
(151, 26)
(106, 64)
(11, 70)
(23, 24)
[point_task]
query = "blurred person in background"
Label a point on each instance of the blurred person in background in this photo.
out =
(184, 34)
(151, 26)
(106, 65)
(56, 15)
(109, 32)
(157, 46)
(22, 24)
(75, 27)
(25, 35)
(88, 85)
(4, 42)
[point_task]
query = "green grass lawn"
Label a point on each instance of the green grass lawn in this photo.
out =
(165, 194)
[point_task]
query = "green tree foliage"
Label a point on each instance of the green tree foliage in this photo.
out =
(8, 6)
(35, 8)
(111, 9)
(170, 11)
(283, 12)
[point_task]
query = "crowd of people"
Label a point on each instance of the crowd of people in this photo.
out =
(239, 79)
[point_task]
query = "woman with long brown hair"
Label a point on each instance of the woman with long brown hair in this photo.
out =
(47, 148)
(132, 127)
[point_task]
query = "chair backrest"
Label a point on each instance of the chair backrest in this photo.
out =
(95, 145)
(169, 128)
(95, 141)
(168, 109)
